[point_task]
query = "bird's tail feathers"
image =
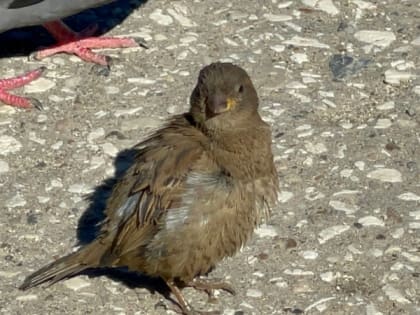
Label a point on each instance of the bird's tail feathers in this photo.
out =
(64, 267)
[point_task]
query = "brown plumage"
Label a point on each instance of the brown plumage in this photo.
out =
(198, 188)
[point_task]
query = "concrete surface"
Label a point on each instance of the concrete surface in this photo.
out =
(339, 83)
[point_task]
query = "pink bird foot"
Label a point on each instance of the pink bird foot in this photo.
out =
(80, 44)
(16, 82)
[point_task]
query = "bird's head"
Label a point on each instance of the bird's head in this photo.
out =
(223, 97)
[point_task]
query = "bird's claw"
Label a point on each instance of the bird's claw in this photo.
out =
(35, 103)
(101, 70)
(141, 42)
(209, 285)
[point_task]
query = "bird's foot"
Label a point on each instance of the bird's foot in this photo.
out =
(16, 82)
(209, 285)
(80, 44)
(182, 306)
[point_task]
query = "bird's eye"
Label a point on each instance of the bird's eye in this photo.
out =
(240, 88)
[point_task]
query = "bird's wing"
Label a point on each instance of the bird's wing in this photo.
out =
(154, 183)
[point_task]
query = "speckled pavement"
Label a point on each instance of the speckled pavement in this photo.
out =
(339, 83)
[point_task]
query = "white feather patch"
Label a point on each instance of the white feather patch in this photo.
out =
(197, 186)
(128, 207)
(176, 217)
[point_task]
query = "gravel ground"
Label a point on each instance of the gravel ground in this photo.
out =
(339, 83)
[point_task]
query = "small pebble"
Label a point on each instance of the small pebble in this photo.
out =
(41, 118)
(79, 189)
(328, 276)
(371, 310)
(39, 85)
(394, 294)
(409, 196)
(95, 134)
(341, 206)
(111, 90)
(26, 298)
(278, 48)
(416, 41)
(332, 232)
(76, 283)
(411, 257)
(383, 123)
(343, 66)
(109, 149)
(180, 15)
(371, 221)
(4, 167)
(386, 175)
(9, 274)
(299, 58)
(414, 225)
(415, 214)
(127, 111)
(376, 38)
(266, 231)
(254, 293)
(309, 254)
(317, 148)
(160, 18)
(298, 272)
(143, 81)
(397, 233)
(9, 145)
(360, 165)
(305, 42)
(386, 106)
(277, 17)
(16, 201)
(395, 77)
(285, 196)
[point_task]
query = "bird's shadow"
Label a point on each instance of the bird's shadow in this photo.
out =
(90, 222)
(26, 40)
(89, 226)
(132, 280)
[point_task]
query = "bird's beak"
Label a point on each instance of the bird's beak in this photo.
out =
(231, 103)
(220, 104)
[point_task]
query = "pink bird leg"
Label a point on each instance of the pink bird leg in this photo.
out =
(16, 82)
(80, 44)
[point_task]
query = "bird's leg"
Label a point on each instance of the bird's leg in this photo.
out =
(184, 307)
(16, 82)
(209, 285)
(182, 303)
(80, 45)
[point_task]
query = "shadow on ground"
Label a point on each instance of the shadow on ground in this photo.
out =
(132, 280)
(26, 40)
(89, 223)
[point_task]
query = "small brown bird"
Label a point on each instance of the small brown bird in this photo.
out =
(198, 188)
